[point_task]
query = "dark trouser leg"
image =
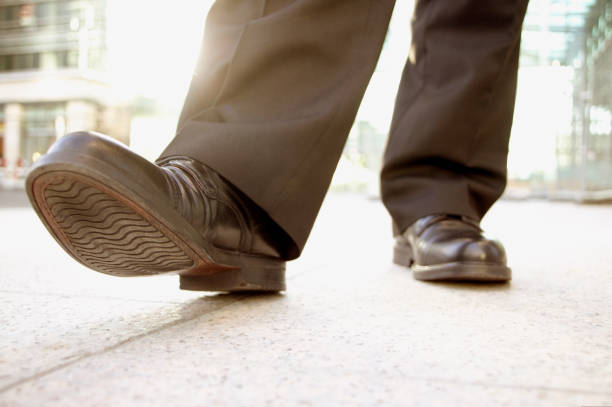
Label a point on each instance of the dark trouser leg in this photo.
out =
(449, 136)
(274, 95)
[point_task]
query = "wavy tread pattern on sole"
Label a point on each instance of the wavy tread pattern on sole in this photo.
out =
(107, 235)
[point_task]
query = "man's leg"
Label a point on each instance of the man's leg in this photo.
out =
(448, 143)
(274, 95)
(236, 192)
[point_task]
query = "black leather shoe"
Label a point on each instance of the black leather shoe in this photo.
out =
(447, 247)
(119, 214)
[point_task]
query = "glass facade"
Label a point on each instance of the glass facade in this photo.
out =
(596, 107)
(572, 40)
(52, 35)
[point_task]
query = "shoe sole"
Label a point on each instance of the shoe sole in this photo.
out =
(113, 231)
(455, 271)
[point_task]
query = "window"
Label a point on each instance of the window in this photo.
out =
(24, 62)
(44, 10)
(38, 13)
(9, 13)
(6, 63)
(1, 135)
(40, 123)
(67, 58)
(46, 60)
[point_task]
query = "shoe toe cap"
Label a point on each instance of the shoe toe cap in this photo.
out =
(483, 251)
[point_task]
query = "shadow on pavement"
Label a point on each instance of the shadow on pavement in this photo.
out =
(211, 302)
(242, 296)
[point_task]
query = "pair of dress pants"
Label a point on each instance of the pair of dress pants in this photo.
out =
(278, 83)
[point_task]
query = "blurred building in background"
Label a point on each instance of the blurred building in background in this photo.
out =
(586, 158)
(53, 78)
(70, 64)
(564, 97)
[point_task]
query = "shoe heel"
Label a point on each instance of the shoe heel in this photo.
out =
(402, 255)
(244, 279)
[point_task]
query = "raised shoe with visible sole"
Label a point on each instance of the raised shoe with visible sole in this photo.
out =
(450, 248)
(119, 214)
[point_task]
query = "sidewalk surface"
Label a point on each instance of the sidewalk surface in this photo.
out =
(352, 329)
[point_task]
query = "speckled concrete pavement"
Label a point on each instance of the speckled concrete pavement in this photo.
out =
(352, 329)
